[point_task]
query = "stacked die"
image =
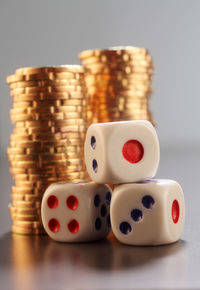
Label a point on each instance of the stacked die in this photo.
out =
(142, 211)
(76, 212)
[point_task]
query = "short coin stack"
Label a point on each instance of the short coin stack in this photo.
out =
(49, 116)
(118, 82)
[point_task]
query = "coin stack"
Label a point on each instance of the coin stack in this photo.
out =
(118, 83)
(49, 116)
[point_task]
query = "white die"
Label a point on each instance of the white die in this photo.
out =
(148, 213)
(76, 212)
(121, 152)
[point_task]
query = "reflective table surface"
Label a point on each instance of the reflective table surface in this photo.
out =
(31, 262)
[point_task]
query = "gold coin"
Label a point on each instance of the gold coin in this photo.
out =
(27, 204)
(49, 123)
(29, 184)
(48, 103)
(40, 159)
(46, 171)
(113, 78)
(68, 148)
(120, 75)
(16, 150)
(46, 110)
(50, 116)
(22, 211)
(120, 101)
(31, 177)
(48, 136)
(128, 69)
(135, 117)
(117, 60)
(62, 164)
(58, 152)
(25, 190)
(113, 111)
(49, 176)
(117, 90)
(40, 96)
(54, 176)
(43, 76)
(118, 50)
(15, 217)
(49, 89)
(105, 106)
(50, 130)
(30, 224)
(19, 230)
(42, 164)
(132, 107)
(27, 197)
(110, 92)
(117, 77)
(74, 155)
(131, 99)
(26, 230)
(44, 150)
(125, 93)
(48, 69)
(119, 106)
(122, 94)
(125, 70)
(60, 177)
(29, 190)
(61, 129)
(75, 141)
(133, 114)
(46, 83)
(123, 83)
(39, 145)
(25, 217)
(36, 157)
(40, 156)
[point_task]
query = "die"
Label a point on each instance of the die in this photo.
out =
(148, 213)
(121, 152)
(76, 212)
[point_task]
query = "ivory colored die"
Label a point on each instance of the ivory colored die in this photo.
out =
(148, 213)
(76, 212)
(121, 152)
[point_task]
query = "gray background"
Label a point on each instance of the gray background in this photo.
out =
(34, 33)
(48, 32)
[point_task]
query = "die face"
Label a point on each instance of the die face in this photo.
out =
(136, 154)
(176, 209)
(127, 152)
(144, 213)
(131, 214)
(100, 215)
(94, 151)
(62, 221)
(69, 213)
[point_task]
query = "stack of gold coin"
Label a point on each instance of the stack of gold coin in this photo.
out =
(49, 116)
(118, 83)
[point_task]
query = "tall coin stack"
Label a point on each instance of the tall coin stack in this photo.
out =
(49, 116)
(118, 83)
